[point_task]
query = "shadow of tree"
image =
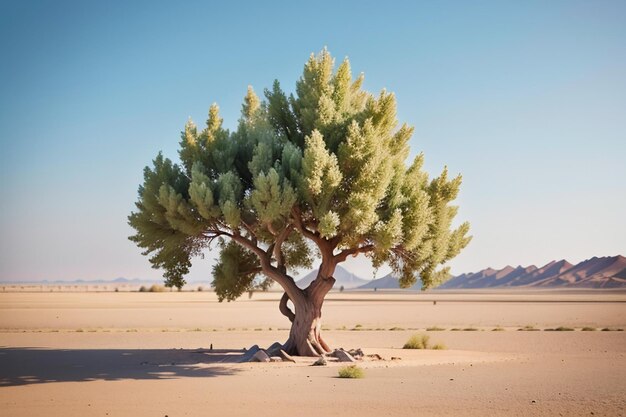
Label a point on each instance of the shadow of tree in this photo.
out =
(27, 365)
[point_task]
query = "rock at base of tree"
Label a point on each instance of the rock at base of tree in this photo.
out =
(260, 356)
(274, 349)
(276, 359)
(320, 362)
(248, 354)
(356, 353)
(343, 356)
(375, 357)
(286, 356)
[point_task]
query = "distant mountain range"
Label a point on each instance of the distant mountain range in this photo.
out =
(388, 282)
(342, 276)
(604, 272)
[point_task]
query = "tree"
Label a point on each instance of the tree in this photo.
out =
(316, 175)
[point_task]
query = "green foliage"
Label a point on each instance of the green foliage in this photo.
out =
(351, 371)
(235, 271)
(325, 164)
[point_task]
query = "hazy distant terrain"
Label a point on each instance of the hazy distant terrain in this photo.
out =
(598, 272)
(342, 276)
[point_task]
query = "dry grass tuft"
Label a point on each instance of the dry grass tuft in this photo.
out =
(417, 341)
(352, 371)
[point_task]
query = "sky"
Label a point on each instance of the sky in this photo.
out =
(527, 100)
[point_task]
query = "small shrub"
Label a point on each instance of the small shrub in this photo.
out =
(417, 341)
(395, 329)
(497, 329)
(200, 288)
(528, 328)
(143, 289)
(439, 346)
(358, 327)
(351, 371)
(456, 329)
(588, 329)
(561, 329)
(470, 329)
(435, 329)
(156, 288)
(341, 288)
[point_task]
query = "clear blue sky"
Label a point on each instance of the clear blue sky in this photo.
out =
(526, 99)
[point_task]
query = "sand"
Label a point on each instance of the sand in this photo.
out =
(145, 354)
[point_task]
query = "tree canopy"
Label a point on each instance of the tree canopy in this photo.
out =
(318, 174)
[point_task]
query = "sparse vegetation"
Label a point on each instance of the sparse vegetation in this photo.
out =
(588, 329)
(497, 329)
(560, 329)
(351, 371)
(528, 328)
(417, 341)
(470, 329)
(435, 329)
(358, 327)
(156, 288)
(422, 341)
(395, 329)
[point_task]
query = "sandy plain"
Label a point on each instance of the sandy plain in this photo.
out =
(147, 354)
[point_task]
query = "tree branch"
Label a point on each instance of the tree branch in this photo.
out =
(297, 219)
(278, 251)
(284, 308)
(343, 255)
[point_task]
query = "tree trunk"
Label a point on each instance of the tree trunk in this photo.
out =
(306, 321)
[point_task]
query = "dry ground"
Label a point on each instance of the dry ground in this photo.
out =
(137, 354)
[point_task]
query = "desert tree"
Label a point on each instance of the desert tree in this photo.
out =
(314, 176)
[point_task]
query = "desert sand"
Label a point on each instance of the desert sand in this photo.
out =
(147, 354)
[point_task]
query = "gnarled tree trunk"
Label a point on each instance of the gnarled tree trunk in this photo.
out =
(304, 337)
